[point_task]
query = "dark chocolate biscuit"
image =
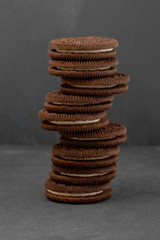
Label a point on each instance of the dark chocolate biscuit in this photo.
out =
(82, 56)
(82, 74)
(84, 164)
(70, 119)
(99, 107)
(68, 122)
(83, 43)
(83, 154)
(115, 79)
(65, 129)
(75, 193)
(87, 69)
(111, 135)
(83, 176)
(84, 66)
(67, 89)
(59, 102)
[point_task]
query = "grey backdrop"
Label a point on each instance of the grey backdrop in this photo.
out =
(26, 28)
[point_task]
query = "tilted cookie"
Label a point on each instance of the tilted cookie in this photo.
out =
(69, 123)
(111, 135)
(115, 84)
(58, 102)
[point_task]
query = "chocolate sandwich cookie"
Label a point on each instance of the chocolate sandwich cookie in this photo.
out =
(82, 48)
(70, 163)
(69, 123)
(77, 194)
(110, 81)
(83, 154)
(111, 135)
(83, 176)
(83, 69)
(59, 102)
(82, 55)
(110, 85)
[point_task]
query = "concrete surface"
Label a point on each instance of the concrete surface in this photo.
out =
(131, 213)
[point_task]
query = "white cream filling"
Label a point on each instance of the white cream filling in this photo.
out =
(85, 51)
(83, 69)
(74, 194)
(94, 87)
(70, 104)
(75, 123)
(83, 175)
(97, 158)
(75, 138)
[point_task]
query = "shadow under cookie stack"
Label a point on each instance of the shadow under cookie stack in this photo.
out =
(85, 160)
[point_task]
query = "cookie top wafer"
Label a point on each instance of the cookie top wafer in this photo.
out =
(76, 193)
(83, 154)
(59, 102)
(103, 64)
(112, 135)
(65, 129)
(100, 83)
(83, 176)
(70, 119)
(83, 44)
(115, 84)
(82, 68)
(106, 91)
(62, 188)
(59, 98)
(82, 74)
(78, 164)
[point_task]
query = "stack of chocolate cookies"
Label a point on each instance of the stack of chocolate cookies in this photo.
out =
(85, 160)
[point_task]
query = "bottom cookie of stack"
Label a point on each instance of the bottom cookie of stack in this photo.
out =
(77, 194)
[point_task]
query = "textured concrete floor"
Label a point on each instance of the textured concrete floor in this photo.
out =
(133, 212)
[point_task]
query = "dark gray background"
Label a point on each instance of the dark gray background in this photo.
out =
(26, 28)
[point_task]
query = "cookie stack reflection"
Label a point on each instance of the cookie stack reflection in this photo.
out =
(85, 160)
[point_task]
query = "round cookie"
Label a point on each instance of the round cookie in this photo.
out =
(83, 44)
(83, 176)
(69, 163)
(83, 154)
(65, 129)
(59, 102)
(82, 74)
(67, 122)
(110, 85)
(113, 134)
(75, 193)
(83, 69)
(70, 119)
(82, 56)
(67, 89)
(115, 79)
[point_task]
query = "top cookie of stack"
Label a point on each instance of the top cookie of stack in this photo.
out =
(83, 57)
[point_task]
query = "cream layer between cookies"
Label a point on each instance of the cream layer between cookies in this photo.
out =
(85, 51)
(75, 104)
(83, 139)
(91, 158)
(75, 122)
(83, 175)
(82, 69)
(94, 87)
(73, 194)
